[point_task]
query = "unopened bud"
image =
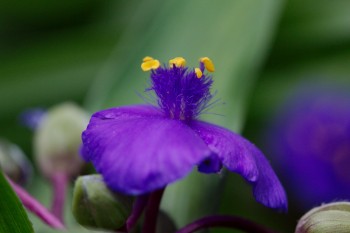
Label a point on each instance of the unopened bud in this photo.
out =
(95, 206)
(329, 218)
(58, 138)
(14, 163)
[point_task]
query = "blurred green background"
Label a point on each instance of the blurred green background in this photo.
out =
(90, 52)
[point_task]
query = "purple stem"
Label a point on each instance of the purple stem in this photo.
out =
(138, 208)
(35, 207)
(59, 182)
(151, 214)
(225, 221)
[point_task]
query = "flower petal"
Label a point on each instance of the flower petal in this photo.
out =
(229, 147)
(127, 112)
(267, 189)
(242, 157)
(139, 152)
(120, 113)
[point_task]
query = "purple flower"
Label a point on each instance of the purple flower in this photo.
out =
(32, 117)
(311, 143)
(142, 148)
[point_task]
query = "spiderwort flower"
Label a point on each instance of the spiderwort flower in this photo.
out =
(310, 140)
(142, 148)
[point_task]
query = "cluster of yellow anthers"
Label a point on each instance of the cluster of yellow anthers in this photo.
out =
(148, 63)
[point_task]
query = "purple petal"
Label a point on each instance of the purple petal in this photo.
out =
(229, 147)
(137, 150)
(128, 112)
(120, 113)
(267, 189)
(241, 156)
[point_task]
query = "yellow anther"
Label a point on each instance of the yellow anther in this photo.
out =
(208, 64)
(150, 64)
(198, 72)
(148, 58)
(178, 62)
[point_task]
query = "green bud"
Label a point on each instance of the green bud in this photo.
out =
(95, 206)
(14, 163)
(329, 218)
(58, 138)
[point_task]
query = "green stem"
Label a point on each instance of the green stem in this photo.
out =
(59, 182)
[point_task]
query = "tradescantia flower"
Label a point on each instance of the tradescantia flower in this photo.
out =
(142, 148)
(310, 138)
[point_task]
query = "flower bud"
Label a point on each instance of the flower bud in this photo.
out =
(95, 206)
(329, 218)
(14, 163)
(57, 140)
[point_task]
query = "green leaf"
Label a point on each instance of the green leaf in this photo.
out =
(13, 217)
(308, 32)
(307, 27)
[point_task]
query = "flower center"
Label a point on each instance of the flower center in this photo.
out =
(183, 93)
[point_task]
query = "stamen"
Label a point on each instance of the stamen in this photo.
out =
(149, 64)
(183, 92)
(208, 64)
(198, 72)
(177, 61)
(147, 58)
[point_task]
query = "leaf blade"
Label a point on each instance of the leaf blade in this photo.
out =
(13, 217)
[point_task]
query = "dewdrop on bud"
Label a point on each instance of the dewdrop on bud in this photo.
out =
(329, 218)
(14, 163)
(57, 140)
(95, 206)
